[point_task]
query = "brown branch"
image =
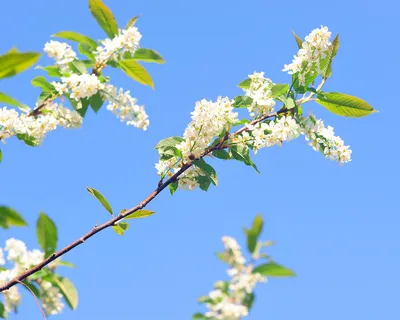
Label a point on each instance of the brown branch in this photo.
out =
(124, 214)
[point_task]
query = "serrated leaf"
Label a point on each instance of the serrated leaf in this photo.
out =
(9, 217)
(42, 82)
(173, 186)
(273, 269)
(13, 63)
(131, 22)
(207, 170)
(299, 41)
(104, 17)
(68, 291)
(52, 71)
(121, 227)
(96, 102)
(148, 55)
(77, 37)
(245, 84)
(254, 232)
(101, 199)
(279, 89)
(327, 65)
(344, 104)
(140, 214)
(46, 233)
(136, 72)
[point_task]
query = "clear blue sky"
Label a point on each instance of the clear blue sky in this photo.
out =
(337, 227)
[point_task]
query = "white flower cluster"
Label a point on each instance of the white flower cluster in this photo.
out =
(125, 107)
(209, 119)
(80, 85)
(61, 52)
(21, 259)
(308, 58)
(323, 139)
(12, 123)
(268, 134)
(260, 92)
(227, 300)
(126, 41)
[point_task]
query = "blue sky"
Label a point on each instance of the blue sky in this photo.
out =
(337, 227)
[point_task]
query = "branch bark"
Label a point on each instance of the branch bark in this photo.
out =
(126, 213)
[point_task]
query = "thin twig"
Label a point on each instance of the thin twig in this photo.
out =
(36, 299)
(126, 213)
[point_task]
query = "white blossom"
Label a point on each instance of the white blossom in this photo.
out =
(260, 92)
(50, 297)
(83, 85)
(61, 52)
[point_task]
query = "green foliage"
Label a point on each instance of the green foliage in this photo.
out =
(101, 199)
(121, 227)
(104, 17)
(77, 37)
(245, 84)
(29, 141)
(67, 289)
(131, 22)
(11, 101)
(199, 316)
(309, 79)
(298, 40)
(326, 65)
(46, 232)
(166, 148)
(207, 170)
(77, 67)
(242, 102)
(221, 154)
(148, 55)
(272, 269)
(254, 232)
(173, 186)
(249, 300)
(136, 72)
(32, 287)
(86, 51)
(242, 153)
(1, 156)
(44, 96)
(96, 102)
(344, 104)
(13, 62)
(84, 105)
(279, 89)
(140, 214)
(9, 217)
(52, 71)
(41, 82)
(3, 312)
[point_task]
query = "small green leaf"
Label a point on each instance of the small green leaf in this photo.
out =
(65, 264)
(67, 289)
(242, 102)
(96, 102)
(245, 84)
(101, 199)
(254, 232)
(3, 312)
(104, 17)
(9, 217)
(221, 154)
(43, 97)
(10, 101)
(86, 51)
(78, 67)
(84, 105)
(148, 55)
(166, 144)
(131, 22)
(207, 170)
(77, 37)
(1, 156)
(121, 227)
(173, 186)
(249, 300)
(29, 141)
(273, 269)
(46, 232)
(344, 104)
(40, 274)
(136, 72)
(13, 63)
(290, 103)
(279, 89)
(140, 214)
(241, 153)
(41, 82)
(204, 182)
(199, 316)
(298, 40)
(52, 71)
(326, 66)
(32, 287)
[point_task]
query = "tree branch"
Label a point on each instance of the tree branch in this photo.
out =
(126, 213)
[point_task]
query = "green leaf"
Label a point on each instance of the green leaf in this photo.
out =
(78, 67)
(68, 291)
(140, 214)
(245, 84)
(1, 156)
(273, 269)
(77, 37)
(279, 89)
(173, 186)
(326, 65)
(3, 312)
(66, 264)
(41, 82)
(199, 316)
(52, 71)
(221, 154)
(254, 232)
(148, 55)
(298, 40)
(131, 22)
(84, 105)
(121, 227)
(29, 141)
(86, 51)
(104, 17)
(290, 103)
(249, 300)
(46, 233)
(208, 170)
(344, 104)
(203, 181)
(11, 101)
(166, 147)
(9, 217)
(32, 287)
(13, 63)
(101, 198)
(40, 274)
(241, 153)
(136, 72)
(96, 102)
(242, 102)
(44, 96)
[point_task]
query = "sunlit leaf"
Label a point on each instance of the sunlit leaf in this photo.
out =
(101, 199)
(46, 232)
(13, 63)
(273, 269)
(104, 17)
(136, 72)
